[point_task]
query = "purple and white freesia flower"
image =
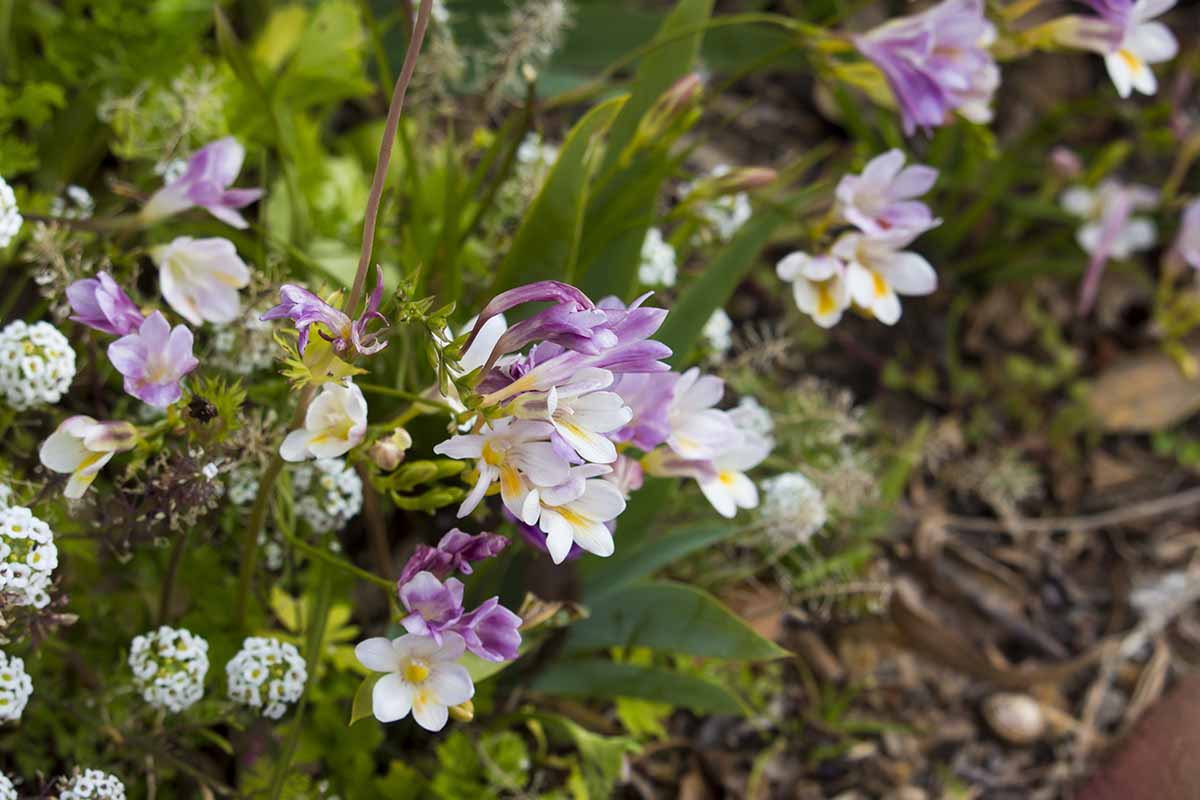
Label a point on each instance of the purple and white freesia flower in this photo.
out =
(878, 271)
(81, 446)
(1134, 42)
(575, 512)
(335, 422)
(455, 552)
(699, 430)
(435, 608)
(205, 183)
(937, 63)
(200, 278)
(581, 413)
(154, 360)
(101, 304)
(819, 286)
(882, 200)
(421, 676)
(1111, 227)
(348, 336)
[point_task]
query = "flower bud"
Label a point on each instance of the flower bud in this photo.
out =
(463, 712)
(388, 452)
(745, 179)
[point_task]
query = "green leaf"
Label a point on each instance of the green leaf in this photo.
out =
(603, 679)
(714, 288)
(600, 757)
(547, 243)
(660, 68)
(402, 782)
(361, 708)
(669, 617)
(631, 563)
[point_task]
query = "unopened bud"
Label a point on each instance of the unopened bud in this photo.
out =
(463, 712)
(746, 179)
(1066, 162)
(387, 453)
(681, 93)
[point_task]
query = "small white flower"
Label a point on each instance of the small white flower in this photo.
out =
(28, 557)
(718, 334)
(335, 422)
(698, 429)
(37, 364)
(81, 446)
(657, 267)
(93, 784)
(1109, 214)
(877, 271)
(10, 215)
(200, 278)
(1143, 42)
(169, 666)
(266, 664)
(793, 509)
(15, 688)
(819, 286)
(421, 677)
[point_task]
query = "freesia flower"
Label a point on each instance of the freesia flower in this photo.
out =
(81, 446)
(730, 488)
(581, 413)
(305, 309)
(819, 286)
(205, 183)
(1188, 243)
(200, 278)
(1136, 42)
(881, 201)
(936, 63)
(434, 607)
(454, 553)
(421, 677)
(491, 631)
(877, 271)
(648, 396)
(154, 360)
(507, 451)
(698, 429)
(1111, 230)
(575, 512)
(101, 304)
(335, 422)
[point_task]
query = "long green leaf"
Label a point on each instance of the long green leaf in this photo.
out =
(633, 563)
(669, 617)
(547, 243)
(598, 678)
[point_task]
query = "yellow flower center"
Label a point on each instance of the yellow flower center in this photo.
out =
(415, 672)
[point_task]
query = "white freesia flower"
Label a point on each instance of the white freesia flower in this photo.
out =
(731, 489)
(267, 675)
(421, 677)
(877, 271)
(657, 267)
(698, 430)
(881, 201)
(580, 413)
(81, 446)
(575, 511)
(1143, 42)
(335, 422)
(10, 215)
(474, 358)
(15, 688)
(1110, 221)
(93, 784)
(200, 278)
(515, 453)
(819, 286)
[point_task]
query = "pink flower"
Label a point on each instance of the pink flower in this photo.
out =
(101, 304)
(154, 359)
(205, 183)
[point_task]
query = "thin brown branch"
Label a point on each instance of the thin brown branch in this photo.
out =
(1083, 522)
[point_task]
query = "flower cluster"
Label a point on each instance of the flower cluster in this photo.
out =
(245, 346)
(267, 675)
(15, 688)
(93, 784)
(329, 492)
(868, 265)
(76, 203)
(657, 267)
(726, 213)
(7, 790)
(718, 334)
(28, 557)
(937, 63)
(10, 215)
(169, 665)
(793, 509)
(422, 675)
(37, 364)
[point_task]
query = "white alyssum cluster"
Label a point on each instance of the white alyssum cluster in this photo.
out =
(7, 790)
(266, 674)
(28, 557)
(658, 260)
(15, 687)
(535, 156)
(329, 492)
(10, 215)
(93, 784)
(726, 214)
(75, 203)
(37, 364)
(751, 415)
(793, 509)
(242, 484)
(169, 665)
(718, 334)
(246, 345)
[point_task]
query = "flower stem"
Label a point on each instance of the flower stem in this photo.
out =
(168, 587)
(385, 155)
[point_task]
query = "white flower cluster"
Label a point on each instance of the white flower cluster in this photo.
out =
(535, 156)
(751, 415)
(329, 492)
(93, 784)
(37, 364)
(6, 494)
(76, 203)
(27, 557)
(793, 509)
(658, 260)
(10, 215)
(718, 334)
(248, 349)
(7, 790)
(266, 674)
(726, 214)
(169, 666)
(242, 485)
(15, 687)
